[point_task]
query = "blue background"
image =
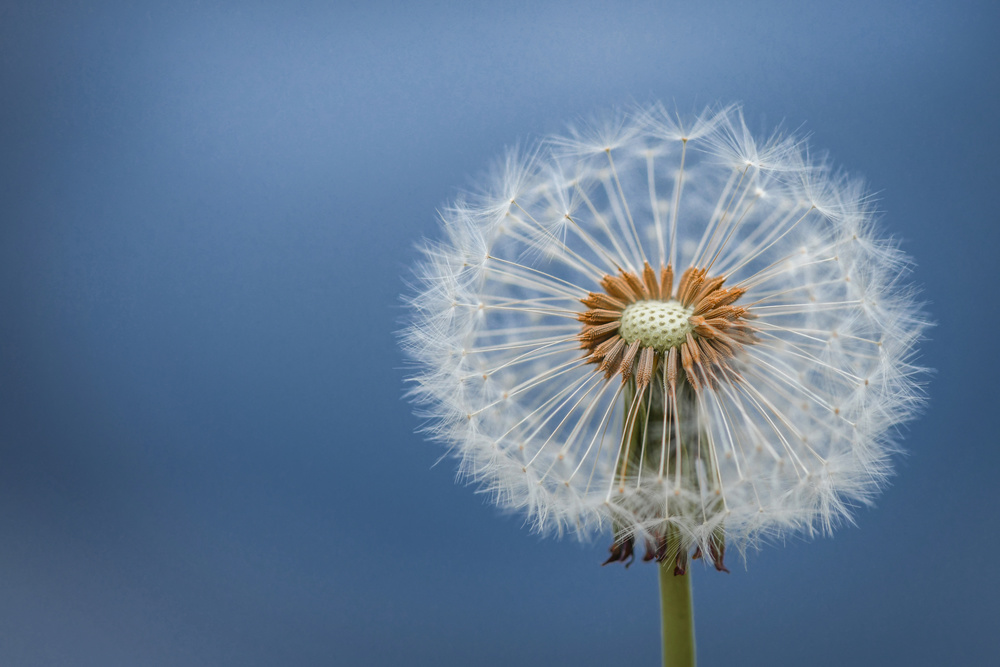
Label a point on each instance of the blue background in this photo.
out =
(207, 214)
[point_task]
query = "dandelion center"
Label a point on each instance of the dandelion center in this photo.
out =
(640, 326)
(660, 325)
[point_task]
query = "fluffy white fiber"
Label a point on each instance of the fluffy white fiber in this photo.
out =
(805, 436)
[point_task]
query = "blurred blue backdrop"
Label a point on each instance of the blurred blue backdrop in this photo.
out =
(207, 213)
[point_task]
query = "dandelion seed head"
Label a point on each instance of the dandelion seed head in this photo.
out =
(666, 327)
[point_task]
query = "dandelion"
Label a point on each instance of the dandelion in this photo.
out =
(670, 330)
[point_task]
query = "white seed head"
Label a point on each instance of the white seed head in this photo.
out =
(668, 327)
(660, 325)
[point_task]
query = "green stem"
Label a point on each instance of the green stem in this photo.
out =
(676, 617)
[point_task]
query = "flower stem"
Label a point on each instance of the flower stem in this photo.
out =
(676, 617)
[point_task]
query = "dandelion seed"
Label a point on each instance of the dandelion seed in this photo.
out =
(668, 329)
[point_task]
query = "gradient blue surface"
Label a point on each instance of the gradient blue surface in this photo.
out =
(207, 213)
